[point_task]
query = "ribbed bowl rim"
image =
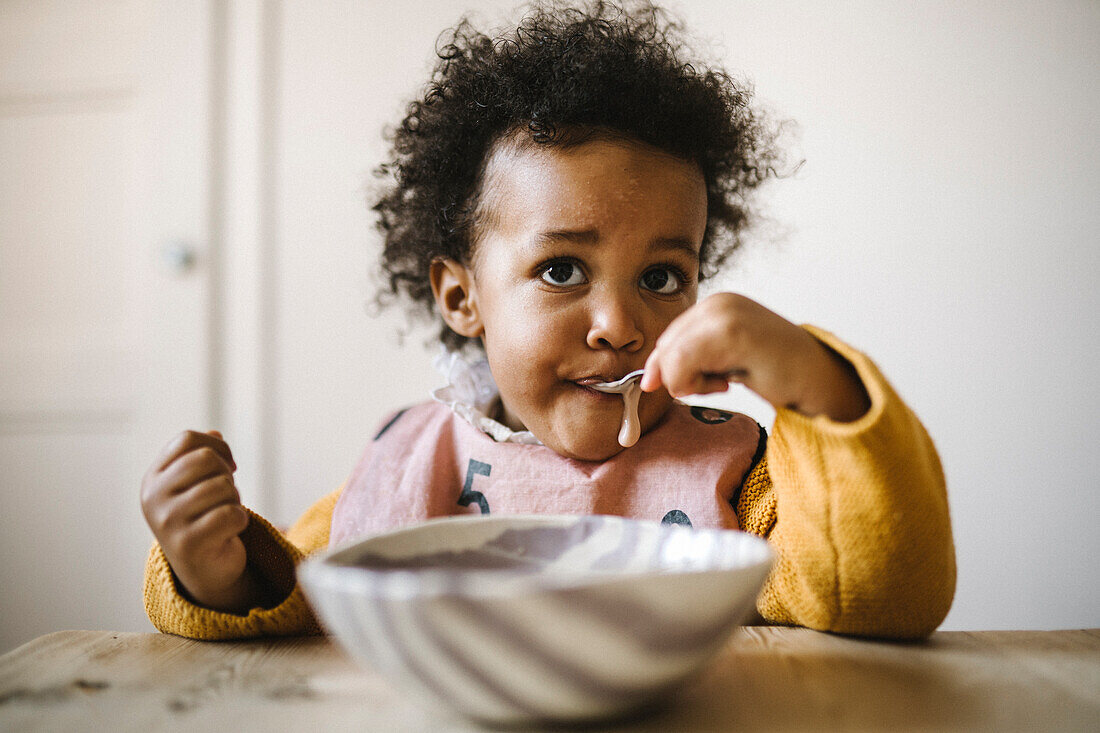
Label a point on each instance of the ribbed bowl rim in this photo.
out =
(324, 571)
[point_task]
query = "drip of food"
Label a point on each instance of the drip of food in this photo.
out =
(628, 387)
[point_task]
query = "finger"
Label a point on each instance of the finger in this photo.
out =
(210, 531)
(207, 495)
(651, 380)
(709, 384)
(190, 440)
(192, 468)
(177, 513)
(677, 373)
(737, 374)
(685, 375)
(716, 351)
(158, 489)
(212, 542)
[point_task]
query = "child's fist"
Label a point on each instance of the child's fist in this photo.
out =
(730, 337)
(192, 505)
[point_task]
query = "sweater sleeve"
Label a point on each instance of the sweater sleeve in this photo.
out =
(273, 556)
(857, 513)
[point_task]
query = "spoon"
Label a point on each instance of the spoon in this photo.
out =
(617, 387)
(627, 386)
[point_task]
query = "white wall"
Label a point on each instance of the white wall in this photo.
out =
(945, 222)
(76, 267)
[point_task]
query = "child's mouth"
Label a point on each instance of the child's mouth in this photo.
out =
(586, 386)
(597, 379)
(630, 429)
(587, 381)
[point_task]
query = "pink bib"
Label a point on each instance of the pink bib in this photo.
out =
(428, 462)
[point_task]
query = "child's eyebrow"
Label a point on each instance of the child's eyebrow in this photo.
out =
(572, 236)
(591, 236)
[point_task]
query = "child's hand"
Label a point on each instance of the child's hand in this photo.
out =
(192, 506)
(730, 337)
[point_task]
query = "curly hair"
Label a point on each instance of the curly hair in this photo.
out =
(562, 74)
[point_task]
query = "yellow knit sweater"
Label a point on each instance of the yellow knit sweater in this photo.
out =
(857, 513)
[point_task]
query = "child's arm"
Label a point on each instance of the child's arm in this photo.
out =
(267, 600)
(192, 505)
(857, 510)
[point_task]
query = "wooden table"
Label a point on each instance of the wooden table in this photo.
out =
(765, 679)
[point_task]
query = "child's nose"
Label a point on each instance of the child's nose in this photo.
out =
(615, 324)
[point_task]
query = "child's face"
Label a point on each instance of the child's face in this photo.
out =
(586, 254)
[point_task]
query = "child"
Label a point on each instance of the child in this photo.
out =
(559, 193)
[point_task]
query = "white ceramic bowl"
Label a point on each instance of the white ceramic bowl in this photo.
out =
(538, 618)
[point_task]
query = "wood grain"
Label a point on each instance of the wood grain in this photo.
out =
(766, 678)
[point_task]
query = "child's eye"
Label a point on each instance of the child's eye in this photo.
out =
(562, 274)
(662, 280)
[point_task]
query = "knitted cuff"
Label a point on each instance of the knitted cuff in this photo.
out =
(273, 558)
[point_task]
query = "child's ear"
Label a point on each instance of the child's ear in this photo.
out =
(453, 287)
